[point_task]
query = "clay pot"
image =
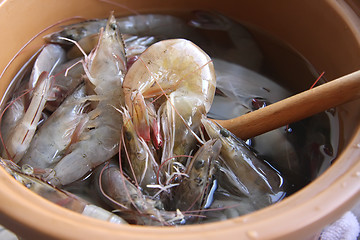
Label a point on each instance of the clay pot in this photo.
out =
(326, 32)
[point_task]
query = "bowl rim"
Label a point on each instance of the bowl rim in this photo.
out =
(66, 224)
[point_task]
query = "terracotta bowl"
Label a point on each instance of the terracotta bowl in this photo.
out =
(326, 32)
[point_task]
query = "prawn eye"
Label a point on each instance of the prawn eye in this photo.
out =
(199, 164)
(113, 26)
(128, 136)
(27, 169)
(224, 132)
(28, 185)
(70, 36)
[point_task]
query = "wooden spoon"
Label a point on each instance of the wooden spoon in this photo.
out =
(295, 108)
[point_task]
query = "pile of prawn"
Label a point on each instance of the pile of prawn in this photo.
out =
(127, 108)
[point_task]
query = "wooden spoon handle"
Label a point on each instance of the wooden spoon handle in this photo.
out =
(296, 107)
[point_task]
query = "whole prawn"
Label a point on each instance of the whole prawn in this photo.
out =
(184, 74)
(192, 192)
(132, 204)
(105, 68)
(57, 196)
(247, 175)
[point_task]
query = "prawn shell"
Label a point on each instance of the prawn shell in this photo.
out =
(192, 192)
(259, 180)
(175, 65)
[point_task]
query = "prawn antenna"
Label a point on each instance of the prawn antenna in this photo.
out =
(76, 44)
(320, 76)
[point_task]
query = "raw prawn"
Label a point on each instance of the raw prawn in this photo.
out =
(104, 68)
(252, 177)
(127, 198)
(184, 73)
(18, 140)
(57, 196)
(56, 134)
(192, 192)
